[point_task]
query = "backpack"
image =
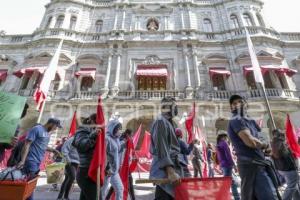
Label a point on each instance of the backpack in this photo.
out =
(214, 157)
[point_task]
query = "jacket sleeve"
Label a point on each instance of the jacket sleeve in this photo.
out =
(85, 141)
(65, 150)
(227, 153)
(186, 149)
(160, 141)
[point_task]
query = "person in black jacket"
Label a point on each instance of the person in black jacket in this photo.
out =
(85, 141)
(285, 163)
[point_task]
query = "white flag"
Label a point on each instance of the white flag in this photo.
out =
(255, 64)
(41, 92)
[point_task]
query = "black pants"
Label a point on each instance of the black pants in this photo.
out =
(70, 175)
(160, 194)
(87, 186)
(131, 189)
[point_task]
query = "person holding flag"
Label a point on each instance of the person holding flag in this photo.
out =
(114, 148)
(168, 162)
(85, 142)
(245, 136)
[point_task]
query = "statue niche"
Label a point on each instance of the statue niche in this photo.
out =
(152, 25)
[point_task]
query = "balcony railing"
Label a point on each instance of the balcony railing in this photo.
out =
(152, 95)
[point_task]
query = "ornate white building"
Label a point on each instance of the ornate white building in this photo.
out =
(134, 52)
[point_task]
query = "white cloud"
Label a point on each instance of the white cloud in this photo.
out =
(23, 17)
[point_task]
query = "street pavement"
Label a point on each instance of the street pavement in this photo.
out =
(45, 191)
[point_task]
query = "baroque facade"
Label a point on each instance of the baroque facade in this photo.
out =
(134, 52)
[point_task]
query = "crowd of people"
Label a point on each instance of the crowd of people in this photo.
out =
(241, 151)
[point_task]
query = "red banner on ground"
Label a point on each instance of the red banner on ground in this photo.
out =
(204, 189)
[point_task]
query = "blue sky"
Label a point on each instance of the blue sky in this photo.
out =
(24, 16)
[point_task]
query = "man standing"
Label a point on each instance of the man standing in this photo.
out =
(244, 134)
(167, 161)
(197, 159)
(35, 147)
(210, 152)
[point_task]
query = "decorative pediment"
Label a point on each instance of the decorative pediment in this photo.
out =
(214, 59)
(45, 57)
(261, 56)
(151, 60)
(89, 58)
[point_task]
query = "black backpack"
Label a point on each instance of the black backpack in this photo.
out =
(16, 154)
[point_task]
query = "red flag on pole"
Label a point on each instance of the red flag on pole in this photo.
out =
(144, 151)
(99, 156)
(291, 137)
(203, 143)
(189, 123)
(73, 125)
(136, 136)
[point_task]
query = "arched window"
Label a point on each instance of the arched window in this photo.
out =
(86, 83)
(99, 25)
(48, 22)
(59, 21)
(260, 20)
(248, 20)
(207, 25)
(73, 23)
(234, 21)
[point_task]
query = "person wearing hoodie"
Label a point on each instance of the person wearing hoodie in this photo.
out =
(84, 142)
(72, 158)
(226, 161)
(114, 148)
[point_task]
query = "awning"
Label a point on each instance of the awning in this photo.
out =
(219, 71)
(266, 68)
(3, 74)
(31, 70)
(86, 72)
(152, 72)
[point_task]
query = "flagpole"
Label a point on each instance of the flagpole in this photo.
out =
(268, 106)
(98, 183)
(41, 112)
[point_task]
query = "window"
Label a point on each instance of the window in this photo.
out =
(48, 22)
(73, 23)
(248, 19)
(218, 82)
(260, 20)
(37, 81)
(56, 82)
(251, 81)
(59, 21)
(207, 25)
(268, 80)
(234, 21)
(283, 81)
(25, 82)
(99, 25)
(86, 84)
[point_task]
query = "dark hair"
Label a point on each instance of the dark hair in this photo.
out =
(221, 137)
(166, 102)
(88, 120)
(234, 97)
(128, 132)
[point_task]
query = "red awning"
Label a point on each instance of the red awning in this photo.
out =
(219, 71)
(277, 69)
(3, 74)
(86, 72)
(152, 71)
(31, 70)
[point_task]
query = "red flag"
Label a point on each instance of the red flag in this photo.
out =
(291, 137)
(202, 189)
(99, 156)
(125, 169)
(136, 136)
(73, 125)
(144, 151)
(189, 123)
(203, 142)
(40, 94)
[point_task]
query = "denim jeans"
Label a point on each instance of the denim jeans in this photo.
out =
(31, 169)
(292, 190)
(227, 171)
(211, 172)
(116, 183)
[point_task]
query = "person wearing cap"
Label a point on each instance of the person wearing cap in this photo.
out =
(226, 161)
(250, 149)
(35, 147)
(185, 149)
(197, 159)
(168, 162)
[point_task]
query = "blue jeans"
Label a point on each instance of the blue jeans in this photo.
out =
(116, 183)
(292, 190)
(31, 169)
(211, 173)
(227, 171)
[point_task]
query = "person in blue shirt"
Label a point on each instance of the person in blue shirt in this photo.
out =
(256, 182)
(35, 146)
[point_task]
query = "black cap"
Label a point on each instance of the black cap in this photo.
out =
(54, 121)
(234, 97)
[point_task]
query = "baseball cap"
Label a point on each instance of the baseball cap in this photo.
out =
(234, 97)
(55, 122)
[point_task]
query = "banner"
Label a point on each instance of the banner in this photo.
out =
(11, 108)
(204, 189)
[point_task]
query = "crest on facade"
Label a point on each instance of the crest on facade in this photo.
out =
(151, 60)
(152, 24)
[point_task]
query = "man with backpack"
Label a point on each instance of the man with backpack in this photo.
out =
(285, 163)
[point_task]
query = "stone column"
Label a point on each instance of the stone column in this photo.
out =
(118, 71)
(116, 19)
(106, 86)
(166, 22)
(182, 18)
(196, 69)
(187, 68)
(123, 19)
(190, 19)
(66, 22)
